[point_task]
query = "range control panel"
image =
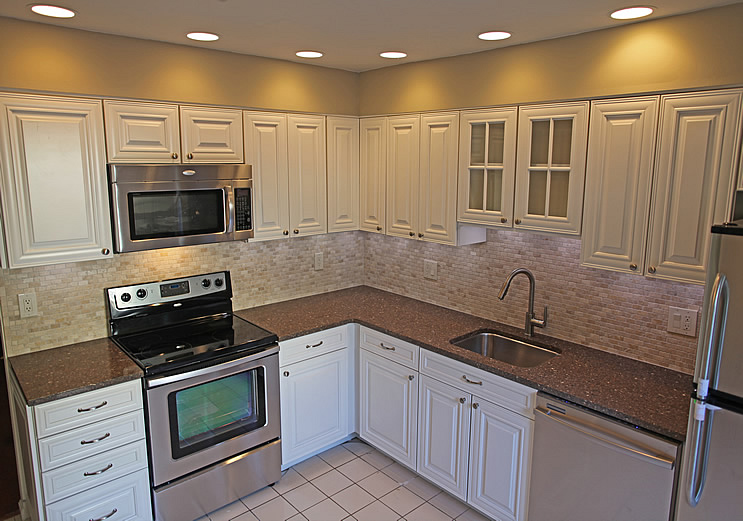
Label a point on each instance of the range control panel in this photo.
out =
(149, 293)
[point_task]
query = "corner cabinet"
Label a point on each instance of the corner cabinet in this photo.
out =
(343, 174)
(550, 167)
(54, 184)
(372, 174)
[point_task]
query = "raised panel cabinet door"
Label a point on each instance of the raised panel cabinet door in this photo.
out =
(388, 406)
(437, 190)
(314, 405)
(444, 435)
(551, 167)
(343, 174)
(142, 132)
(487, 167)
(403, 149)
(266, 150)
(500, 461)
(307, 177)
(211, 135)
(619, 173)
(54, 184)
(698, 141)
(373, 174)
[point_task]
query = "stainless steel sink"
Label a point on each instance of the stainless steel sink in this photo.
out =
(508, 350)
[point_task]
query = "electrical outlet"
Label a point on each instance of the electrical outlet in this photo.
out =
(430, 269)
(319, 261)
(682, 321)
(27, 302)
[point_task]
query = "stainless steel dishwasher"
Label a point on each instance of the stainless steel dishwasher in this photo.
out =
(587, 467)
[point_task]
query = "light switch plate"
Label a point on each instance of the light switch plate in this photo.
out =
(682, 321)
(319, 261)
(430, 269)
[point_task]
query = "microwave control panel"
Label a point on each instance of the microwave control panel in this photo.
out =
(243, 218)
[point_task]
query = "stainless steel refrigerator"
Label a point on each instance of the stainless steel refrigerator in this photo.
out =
(711, 486)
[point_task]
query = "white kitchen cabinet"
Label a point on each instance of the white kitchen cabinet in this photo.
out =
(307, 175)
(211, 135)
(487, 166)
(699, 138)
(343, 174)
(54, 184)
(403, 149)
(621, 151)
(550, 167)
(373, 174)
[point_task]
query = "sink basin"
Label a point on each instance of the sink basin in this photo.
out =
(508, 350)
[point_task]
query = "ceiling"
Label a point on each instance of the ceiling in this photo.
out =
(351, 33)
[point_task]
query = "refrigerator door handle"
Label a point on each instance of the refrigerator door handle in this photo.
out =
(699, 451)
(710, 367)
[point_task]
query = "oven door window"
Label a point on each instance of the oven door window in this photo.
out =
(215, 411)
(160, 214)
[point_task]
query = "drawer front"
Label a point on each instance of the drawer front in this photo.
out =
(82, 409)
(506, 393)
(123, 499)
(101, 468)
(314, 344)
(87, 441)
(389, 347)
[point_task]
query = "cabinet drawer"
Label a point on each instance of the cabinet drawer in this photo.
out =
(314, 344)
(506, 393)
(101, 468)
(82, 409)
(128, 498)
(98, 437)
(389, 347)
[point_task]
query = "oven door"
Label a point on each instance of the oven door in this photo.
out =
(210, 414)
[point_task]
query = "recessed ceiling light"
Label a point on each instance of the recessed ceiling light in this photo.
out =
(494, 35)
(309, 54)
(203, 37)
(396, 55)
(630, 13)
(53, 10)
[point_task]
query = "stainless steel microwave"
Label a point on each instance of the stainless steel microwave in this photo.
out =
(161, 206)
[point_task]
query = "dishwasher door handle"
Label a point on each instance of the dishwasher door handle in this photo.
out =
(606, 438)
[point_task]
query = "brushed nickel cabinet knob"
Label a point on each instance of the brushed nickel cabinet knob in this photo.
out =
(296, 232)
(411, 377)
(174, 156)
(420, 235)
(517, 221)
(412, 234)
(286, 232)
(286, 373)
(475, 405)
(379, 228)
(105, 251)
(633, 266)
(503, 220)
(462, 400)
(190, 156)
(651, 269)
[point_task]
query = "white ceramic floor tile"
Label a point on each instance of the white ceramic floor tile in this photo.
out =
(472, 515)
(228, 512)
(377, 460)
(289, 480)
(304, 496)
(337, 456)
(399, 473)
(427, 512)
(353, 498)
(326, 510)
(378, 484)
(298, 517)
(376, 511)
(358, 447)
(312, 468)
(332, 482)
(402, 501)
(17, 518)
(356, 470)
(278, 509)
(448, 504)
(247, 516)
(258, 498)
(422, 488)
(349, 518)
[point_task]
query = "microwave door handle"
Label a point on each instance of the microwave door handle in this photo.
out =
(229, 210)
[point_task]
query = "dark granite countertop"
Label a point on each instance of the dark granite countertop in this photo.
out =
(68, 370)
(649, 396)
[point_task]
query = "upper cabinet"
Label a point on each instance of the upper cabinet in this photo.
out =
(487, 166)
(307, 175)
(165, 133)
(343, 174)
(403, 148)
(54, 186)
(373, 174)
(550, 167)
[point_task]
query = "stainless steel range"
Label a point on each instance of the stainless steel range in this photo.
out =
(211, 391)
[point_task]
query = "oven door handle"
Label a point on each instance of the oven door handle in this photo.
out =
(165, 380)
(229, 210)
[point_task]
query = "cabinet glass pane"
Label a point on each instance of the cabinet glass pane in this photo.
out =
(537, 192)
(477, 144)
(540, 140)
(559, 182)
(477, 178)
(496, 133)
(495, 187)
(562, 142)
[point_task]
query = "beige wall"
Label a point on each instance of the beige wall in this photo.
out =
(691, 51)
(55, 59)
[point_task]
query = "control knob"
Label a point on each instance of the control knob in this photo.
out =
(206, 283)
(141, 293)
(218, 283)
(126, 297)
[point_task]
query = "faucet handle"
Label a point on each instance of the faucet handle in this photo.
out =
(539, 322)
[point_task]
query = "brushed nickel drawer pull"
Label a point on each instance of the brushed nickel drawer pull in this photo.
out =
(381, 344)
(108, 467)
(464, 377)
(88, 442)
(93, 408)
(106, 516)
(311, 346)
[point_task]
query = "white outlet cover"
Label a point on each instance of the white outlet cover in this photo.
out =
(27, 304)
(319, 261)
(430, 269)
(682, 321)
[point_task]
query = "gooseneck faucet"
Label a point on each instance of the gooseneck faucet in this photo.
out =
(531, 319)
